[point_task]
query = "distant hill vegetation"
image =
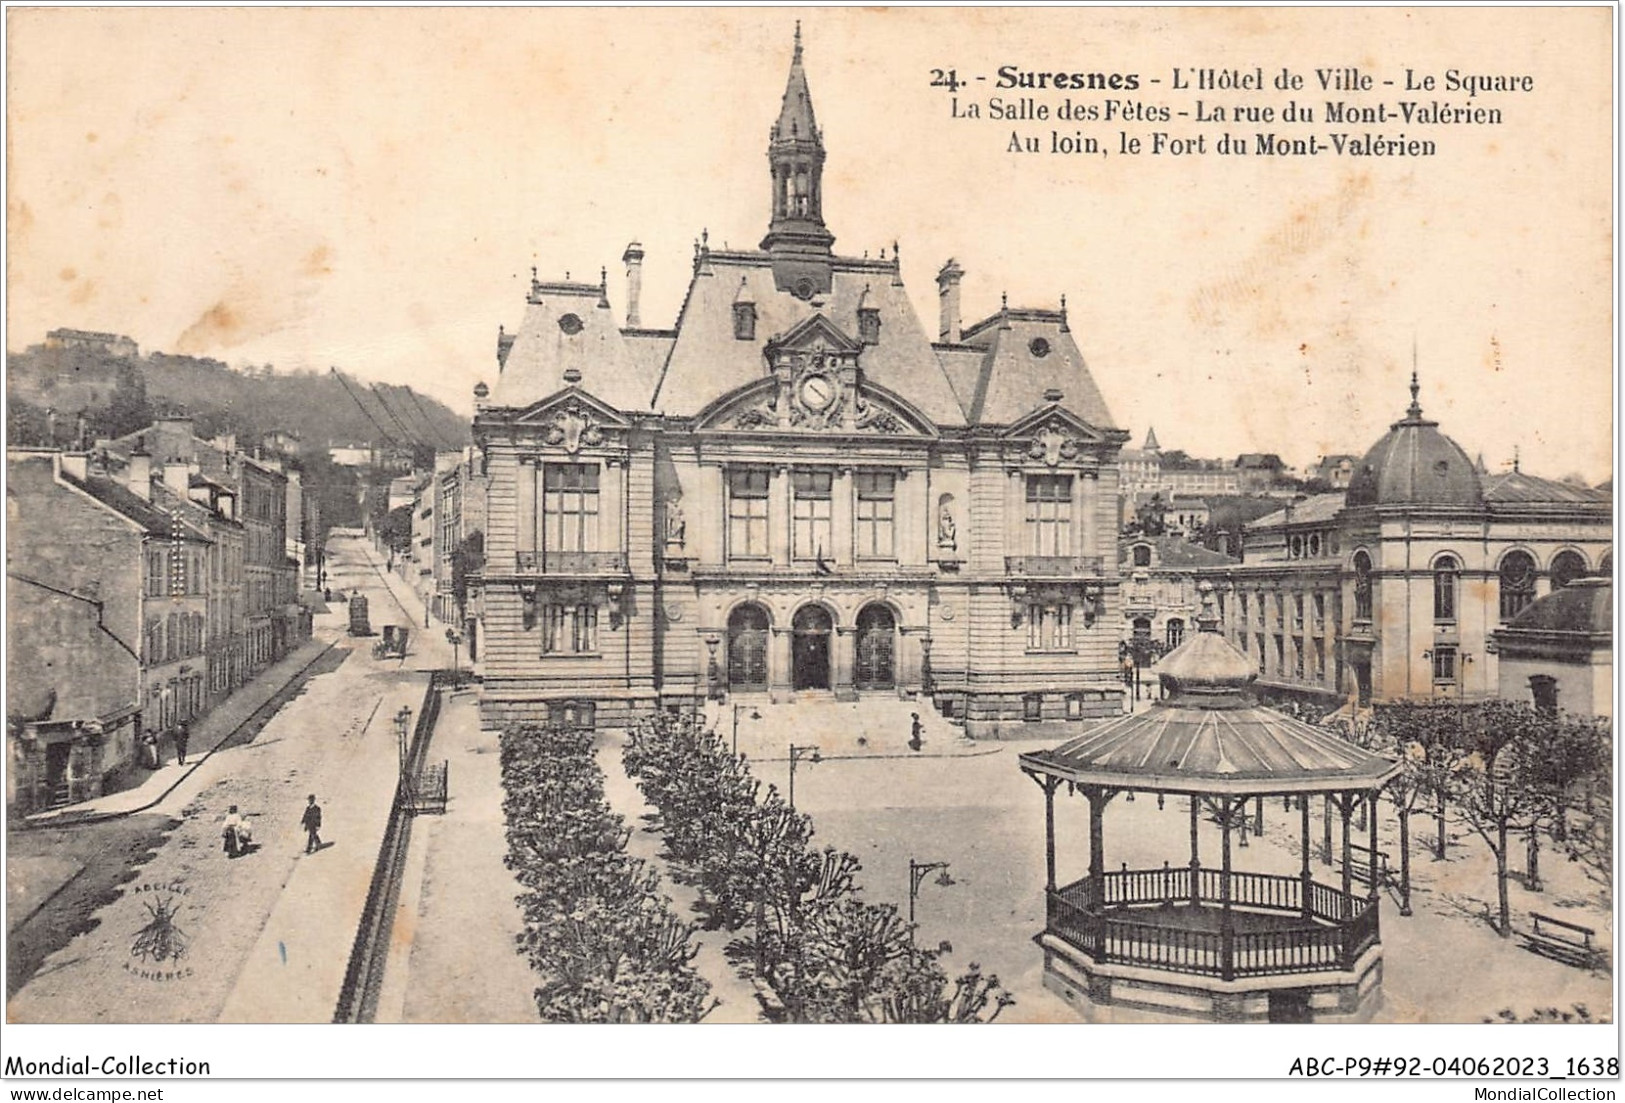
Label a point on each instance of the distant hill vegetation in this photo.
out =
(48, 389)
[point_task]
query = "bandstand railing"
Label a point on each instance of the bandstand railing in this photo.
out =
(1121, 920)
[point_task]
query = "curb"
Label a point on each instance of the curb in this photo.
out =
(85, 819)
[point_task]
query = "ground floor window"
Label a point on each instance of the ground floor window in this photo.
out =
(1049, 627)
(1444, 665)
(570, 630)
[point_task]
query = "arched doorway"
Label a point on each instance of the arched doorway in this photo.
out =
(810, 648)
(747, 648)
(877, 649)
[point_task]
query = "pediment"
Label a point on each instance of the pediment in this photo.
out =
(777, 404)
(815, 334)
(572, 400)
(1055, 434)
(573, 419)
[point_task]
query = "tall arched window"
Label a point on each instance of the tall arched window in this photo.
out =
(1446, 575)
(1517, 583)
(1566, 567)
(1362, 586)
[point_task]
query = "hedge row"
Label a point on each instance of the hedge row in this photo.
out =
(598, 931)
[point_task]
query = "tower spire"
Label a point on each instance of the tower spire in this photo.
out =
(798, 239)
(1415, 410)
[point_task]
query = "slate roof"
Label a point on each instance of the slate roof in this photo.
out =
(1174, 551)
(1520, 488)
(1012, 377)
(707, 361)
(614, 367)
(1312, 510)
(1584, 606)
(124, 501)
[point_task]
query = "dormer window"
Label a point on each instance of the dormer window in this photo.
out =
(744, 321)
(869, 325)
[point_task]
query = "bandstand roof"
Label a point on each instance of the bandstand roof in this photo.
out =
(1211, 737)
(1180, 748)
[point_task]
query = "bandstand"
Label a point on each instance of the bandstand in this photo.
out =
(1190, 941)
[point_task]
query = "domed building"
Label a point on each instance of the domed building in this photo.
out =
(1393, 589)
(797, 491)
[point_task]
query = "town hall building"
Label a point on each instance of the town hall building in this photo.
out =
(797, 490)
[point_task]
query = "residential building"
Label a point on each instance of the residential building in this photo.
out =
(107, 624)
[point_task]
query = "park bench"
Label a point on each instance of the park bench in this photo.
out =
(1366, 864)
(1564, 941)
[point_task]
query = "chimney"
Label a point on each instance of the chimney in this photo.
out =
(633, 259)
(178, 477)
(948, 298)
(172, 438)
(76, 464)
(141, 475)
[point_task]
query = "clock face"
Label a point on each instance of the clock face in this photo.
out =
(817, 391)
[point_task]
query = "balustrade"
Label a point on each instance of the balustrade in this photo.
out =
(1101, 920)
(570, 562)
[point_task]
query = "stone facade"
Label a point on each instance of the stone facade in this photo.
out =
(796, 491)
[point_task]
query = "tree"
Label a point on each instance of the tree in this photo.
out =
(1502, 780)
(128, 410)
(1424, 738)
(468, 559)
(1582, 758)
(395, 530)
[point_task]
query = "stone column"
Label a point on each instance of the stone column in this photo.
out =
(841, 509)
(780, 509)
(843, 649)
(612, 493)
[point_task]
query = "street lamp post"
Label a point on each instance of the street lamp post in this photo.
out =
(796, 754)
(917, 873)
(454, 638)
(713, 676)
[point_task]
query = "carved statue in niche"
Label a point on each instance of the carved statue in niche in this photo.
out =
(947, 533)
(676, 526)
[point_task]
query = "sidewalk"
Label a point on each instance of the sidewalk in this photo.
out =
(454, 955)
(210, 732)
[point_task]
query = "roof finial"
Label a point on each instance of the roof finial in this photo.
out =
(1415, 410)
(1515, 459)
(1004, 301)
(798, 40)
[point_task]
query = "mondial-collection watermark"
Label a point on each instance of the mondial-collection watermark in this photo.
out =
(131, 1065)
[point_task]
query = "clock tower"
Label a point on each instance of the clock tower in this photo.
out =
(799, 242)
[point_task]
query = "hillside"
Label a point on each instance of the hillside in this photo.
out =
(118, 394)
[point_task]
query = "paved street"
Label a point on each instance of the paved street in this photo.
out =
(265, 937)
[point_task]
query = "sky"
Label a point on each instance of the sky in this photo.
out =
(369, 189)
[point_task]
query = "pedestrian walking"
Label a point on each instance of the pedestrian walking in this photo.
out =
(228, 832)
(914, 740)
(149, 750)
(311, 821)
(183, 735)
